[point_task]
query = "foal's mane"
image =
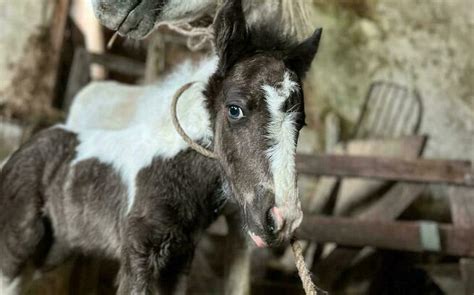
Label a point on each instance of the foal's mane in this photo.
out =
(264, 38)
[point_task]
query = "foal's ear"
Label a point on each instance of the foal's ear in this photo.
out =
(299, 59)
(231, 33)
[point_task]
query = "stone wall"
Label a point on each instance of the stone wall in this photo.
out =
(425, 45)
(31, 41)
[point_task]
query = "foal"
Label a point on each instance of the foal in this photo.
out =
(140, 195)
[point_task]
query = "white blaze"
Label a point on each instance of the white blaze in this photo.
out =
(281, 132)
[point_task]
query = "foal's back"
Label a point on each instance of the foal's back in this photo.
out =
(111, 105)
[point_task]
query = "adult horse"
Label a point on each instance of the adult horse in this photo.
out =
(137, 18)
(140, 194)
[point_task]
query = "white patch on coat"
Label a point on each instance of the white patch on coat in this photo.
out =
(9, 287)
(149, 133)
(281, 131)
(105, 105)
(112, 105)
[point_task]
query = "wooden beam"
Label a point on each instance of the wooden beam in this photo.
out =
(118, 64)
(388, 207)
(420, 170)
(393, 203)
(402, 236)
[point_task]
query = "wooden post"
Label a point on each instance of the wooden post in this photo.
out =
(79, 76)
(462, 214)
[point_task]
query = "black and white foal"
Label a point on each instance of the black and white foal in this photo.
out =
(134, 191)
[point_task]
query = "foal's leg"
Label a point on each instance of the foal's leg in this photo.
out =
(137, 273)
(153, 260)
(148, 273)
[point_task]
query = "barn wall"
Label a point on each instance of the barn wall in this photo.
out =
(31, 42)
(31, 36)
(425, 45)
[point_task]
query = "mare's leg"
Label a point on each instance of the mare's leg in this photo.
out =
(238, 279)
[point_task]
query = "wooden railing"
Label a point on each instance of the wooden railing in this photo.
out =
(395, 235)
(421, 170)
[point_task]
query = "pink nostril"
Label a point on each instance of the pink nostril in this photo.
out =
(278, 217)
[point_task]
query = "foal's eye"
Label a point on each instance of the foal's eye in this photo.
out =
(235, 112)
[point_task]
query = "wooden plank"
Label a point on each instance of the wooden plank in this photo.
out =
(462, 214)
(403, 236)
(393, 203)
(357, 193)
(420, 170)
(389, 207)
(405, 147)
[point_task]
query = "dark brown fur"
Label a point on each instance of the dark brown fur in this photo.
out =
(84, 205)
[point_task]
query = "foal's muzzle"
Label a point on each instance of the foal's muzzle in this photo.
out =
(268, 225)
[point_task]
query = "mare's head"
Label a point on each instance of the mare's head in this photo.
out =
(257, 109)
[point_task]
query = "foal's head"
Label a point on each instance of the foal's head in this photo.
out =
(256, 100)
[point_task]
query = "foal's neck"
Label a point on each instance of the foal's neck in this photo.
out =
(207, 177)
